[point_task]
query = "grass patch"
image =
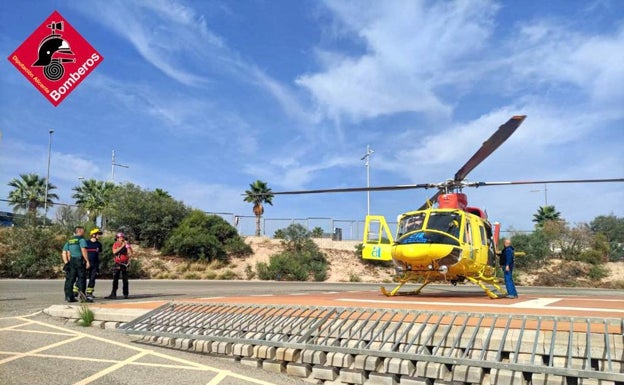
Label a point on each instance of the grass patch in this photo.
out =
(249, 272)
(227, 275)
(159, 265)
(162, 275)
(197, 267)
(192, 275)
(354, 277)
(86, 316)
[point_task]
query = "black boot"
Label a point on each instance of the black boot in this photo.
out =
(111, 296)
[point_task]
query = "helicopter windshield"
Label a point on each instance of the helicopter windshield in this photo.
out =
(410, 223)
(442, 228)
(447, 222)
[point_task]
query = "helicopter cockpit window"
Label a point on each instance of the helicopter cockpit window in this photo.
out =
(483, 236)
(411, 223)
(447, 222)
(376, 233)
(468, 234)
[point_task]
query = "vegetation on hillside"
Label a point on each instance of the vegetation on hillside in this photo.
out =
(300, 260)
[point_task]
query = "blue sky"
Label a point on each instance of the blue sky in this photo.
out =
(201, 98)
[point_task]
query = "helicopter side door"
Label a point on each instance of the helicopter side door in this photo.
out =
(377, 239)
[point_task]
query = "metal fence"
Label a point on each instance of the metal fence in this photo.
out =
(577, 347)
(346, 229)
(338, 229)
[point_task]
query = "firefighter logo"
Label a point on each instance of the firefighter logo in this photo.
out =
(50, 53)
(55, 58)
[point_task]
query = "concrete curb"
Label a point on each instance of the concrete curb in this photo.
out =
(121, 315)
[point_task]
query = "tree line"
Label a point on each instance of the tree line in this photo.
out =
(150, 218)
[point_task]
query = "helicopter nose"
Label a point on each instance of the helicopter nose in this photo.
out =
(421, 253)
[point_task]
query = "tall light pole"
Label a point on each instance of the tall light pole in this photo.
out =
(45, 199)
(545, 194)
(113, 164)
(366, 158)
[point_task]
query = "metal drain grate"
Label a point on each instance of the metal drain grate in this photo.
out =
(563, 346)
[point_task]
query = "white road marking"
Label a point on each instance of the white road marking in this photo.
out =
(537, 303)
(115, 364)
(520, 305)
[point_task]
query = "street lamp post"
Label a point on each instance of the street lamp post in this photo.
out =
(45, 199)
(113, 164)
(545, 194)
(366, 157)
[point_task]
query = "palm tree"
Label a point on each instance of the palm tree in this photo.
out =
(29, 193)
(544, 214)
(258, 194)
(93, 196)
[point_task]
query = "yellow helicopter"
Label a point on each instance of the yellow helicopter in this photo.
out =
(452, 242)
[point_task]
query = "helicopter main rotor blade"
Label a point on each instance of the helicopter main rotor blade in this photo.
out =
(489, 146)
(479, 184)
(359, 189)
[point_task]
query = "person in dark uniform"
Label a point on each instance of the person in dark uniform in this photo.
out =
(122, 251)
(507, 264)
(94, 248)
(76, 262)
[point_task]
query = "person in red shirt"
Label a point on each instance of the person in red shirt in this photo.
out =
(122, 251)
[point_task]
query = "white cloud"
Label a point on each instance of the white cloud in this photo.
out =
(407, 47)
(549, 54)
(178, 41)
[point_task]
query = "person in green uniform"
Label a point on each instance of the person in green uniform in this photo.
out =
(76, 264)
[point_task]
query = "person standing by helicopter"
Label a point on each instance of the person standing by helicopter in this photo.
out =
(122, 251)
(507, 264)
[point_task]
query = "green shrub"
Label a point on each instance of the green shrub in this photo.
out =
(354, 277)
(204, 237)
(249, 272)
(300, 260)
(148, 216)
(31, 252)
(597, 272)
(227, 275)
(237, 247)
(192, 275)
(195, 244)
(590, 256)
(264, 273)
(536, 247)
(616, 252)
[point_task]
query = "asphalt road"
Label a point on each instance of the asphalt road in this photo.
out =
(19, 297)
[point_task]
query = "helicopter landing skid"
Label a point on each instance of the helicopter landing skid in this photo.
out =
(482, 281)
(395, 291)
